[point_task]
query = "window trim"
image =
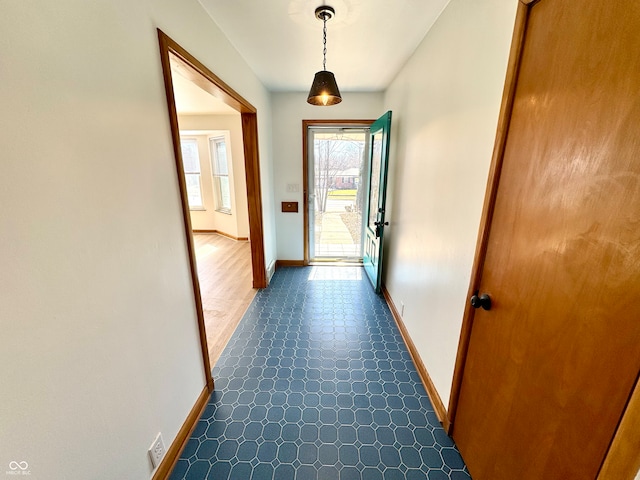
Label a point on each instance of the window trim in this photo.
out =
(217, 189)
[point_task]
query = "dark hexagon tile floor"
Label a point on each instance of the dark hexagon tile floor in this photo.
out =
(317, 384)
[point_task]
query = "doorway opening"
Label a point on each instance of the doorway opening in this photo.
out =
(336, 183)
(176, 63)
(214, 171)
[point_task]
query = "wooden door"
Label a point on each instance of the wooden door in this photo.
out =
(550, 367)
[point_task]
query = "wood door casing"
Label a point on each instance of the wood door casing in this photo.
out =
(550, 367)
(623, 458)
(199, 74)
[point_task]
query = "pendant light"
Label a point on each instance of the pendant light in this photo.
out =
(324, 89)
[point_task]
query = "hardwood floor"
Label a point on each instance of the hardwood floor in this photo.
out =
(224, 271)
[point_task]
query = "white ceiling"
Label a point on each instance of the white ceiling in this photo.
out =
(368, 41)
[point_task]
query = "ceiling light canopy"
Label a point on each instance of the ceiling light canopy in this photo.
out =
(324, 89)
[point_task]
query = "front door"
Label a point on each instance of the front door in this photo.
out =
(375, 213)
(550, 366)
(336, 164)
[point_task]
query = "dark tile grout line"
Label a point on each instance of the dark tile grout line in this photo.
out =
(316, 383)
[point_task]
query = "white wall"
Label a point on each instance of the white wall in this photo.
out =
(289, 109)
(99, 348)
(445, 103)
(237, 223)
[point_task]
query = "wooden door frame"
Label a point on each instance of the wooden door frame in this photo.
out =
(208, 81)
(305, 168)
(622, 456)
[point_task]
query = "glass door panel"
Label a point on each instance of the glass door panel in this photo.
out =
(337, 166)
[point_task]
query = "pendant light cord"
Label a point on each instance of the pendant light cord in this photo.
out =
(324, 42)
(324, 89)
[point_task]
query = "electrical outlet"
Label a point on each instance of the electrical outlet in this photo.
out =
(402, 309)
(156, 451)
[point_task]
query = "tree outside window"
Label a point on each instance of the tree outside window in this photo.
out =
(334, 153)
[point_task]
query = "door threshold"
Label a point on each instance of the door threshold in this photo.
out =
(341, 262)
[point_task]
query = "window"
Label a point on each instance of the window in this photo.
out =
(220, 169)
(191, 164)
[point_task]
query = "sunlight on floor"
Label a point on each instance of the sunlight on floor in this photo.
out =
(335, 273)
(204, 251)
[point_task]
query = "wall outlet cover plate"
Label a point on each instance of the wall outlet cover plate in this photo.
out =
(157, 451)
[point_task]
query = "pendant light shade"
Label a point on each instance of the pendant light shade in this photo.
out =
(324, 89)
